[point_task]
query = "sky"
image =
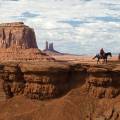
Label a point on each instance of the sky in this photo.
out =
(74, 26)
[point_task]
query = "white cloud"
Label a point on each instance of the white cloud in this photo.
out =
(99, 22)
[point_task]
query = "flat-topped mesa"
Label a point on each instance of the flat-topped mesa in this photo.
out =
(18, 43)
(17, 35)
(14, 24)
(49, 49)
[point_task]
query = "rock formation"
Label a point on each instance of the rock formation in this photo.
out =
(18, 43)
(49, 46)
(50, 80)
(102, 83)
(49, 49)
(17, 35)
(89, 92)
(36, 80)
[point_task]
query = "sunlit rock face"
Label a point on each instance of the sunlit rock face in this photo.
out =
(18, 43)
(45, 80)
(17, 35)
(90, 92)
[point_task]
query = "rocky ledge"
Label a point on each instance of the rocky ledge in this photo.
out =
(35, 80)
(45, 80)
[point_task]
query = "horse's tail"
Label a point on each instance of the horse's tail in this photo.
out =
(94, 57)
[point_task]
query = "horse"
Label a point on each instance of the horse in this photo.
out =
(104, 57)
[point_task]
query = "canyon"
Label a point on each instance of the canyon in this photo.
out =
(87, 91)
(36, 86)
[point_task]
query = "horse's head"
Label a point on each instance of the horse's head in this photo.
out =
(110, 54)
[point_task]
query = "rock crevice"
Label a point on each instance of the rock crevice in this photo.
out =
(38, 81)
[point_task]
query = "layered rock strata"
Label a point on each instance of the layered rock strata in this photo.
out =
(18, 43)
(81, 85)
(103, 82)
(36, 81)
(21, 55)
(17, 35)
(45, 80)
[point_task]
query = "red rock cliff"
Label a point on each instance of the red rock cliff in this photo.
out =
(17, 35)
(18, 43)
(90, 92)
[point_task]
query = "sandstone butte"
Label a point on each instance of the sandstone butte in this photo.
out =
(52, 90)
(18, 43)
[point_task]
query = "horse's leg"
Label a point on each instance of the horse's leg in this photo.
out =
(98, 61)
(102, 61)
(106, 60)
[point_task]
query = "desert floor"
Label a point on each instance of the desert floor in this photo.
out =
(84, 59)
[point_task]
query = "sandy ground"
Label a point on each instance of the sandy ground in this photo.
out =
(82, 59)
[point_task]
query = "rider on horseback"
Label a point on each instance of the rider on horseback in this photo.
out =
(102, 52)
(102, 55)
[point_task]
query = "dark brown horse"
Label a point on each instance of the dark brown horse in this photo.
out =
(104, 57)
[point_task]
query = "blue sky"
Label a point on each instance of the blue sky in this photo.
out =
(75, 26)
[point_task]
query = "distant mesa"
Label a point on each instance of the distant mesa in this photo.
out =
(49, 46)
(49, 49)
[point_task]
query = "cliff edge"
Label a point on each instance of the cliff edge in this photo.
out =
(81, 91)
